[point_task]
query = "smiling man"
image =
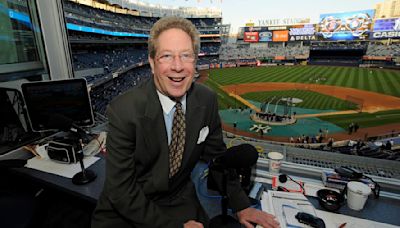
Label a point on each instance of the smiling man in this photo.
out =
(158, 131)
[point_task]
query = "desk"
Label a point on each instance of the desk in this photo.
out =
(89, 192)
(384, 209)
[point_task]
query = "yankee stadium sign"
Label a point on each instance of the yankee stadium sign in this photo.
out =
(284, 21)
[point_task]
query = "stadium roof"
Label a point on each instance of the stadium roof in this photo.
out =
(158, 10)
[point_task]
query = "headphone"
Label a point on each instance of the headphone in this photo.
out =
(283, 178)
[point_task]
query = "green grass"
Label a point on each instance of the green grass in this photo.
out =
(312, 100)
(365, 119)
(224, 100)
(376, 80)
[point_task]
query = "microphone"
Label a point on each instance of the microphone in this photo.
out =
(241, 156)
(240, 159)
(64, 123)
(283, 178)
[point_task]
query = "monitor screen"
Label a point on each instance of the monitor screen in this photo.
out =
(14, 132)
(67, 98)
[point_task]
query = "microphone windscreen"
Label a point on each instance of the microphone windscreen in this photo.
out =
(59, 122)
(282, 178)
(240, 156)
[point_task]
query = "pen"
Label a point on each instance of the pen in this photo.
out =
(289, 198)
(31, 148)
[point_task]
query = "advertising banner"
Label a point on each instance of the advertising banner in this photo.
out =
(382, 58)
(385, 35)
(203, 67)
(386, 28)
(302, 32)
(280, 36)
(250, 37)
(265, 36)
(228, 65)
(387, 24)
(255, 29)
(302, 38)
(345, 26)
(296, 33)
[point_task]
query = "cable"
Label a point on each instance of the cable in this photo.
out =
(283, 178)
(301, 186)
(377, 189)
(231, 142)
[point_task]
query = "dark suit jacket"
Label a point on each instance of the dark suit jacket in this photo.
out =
(137, 190)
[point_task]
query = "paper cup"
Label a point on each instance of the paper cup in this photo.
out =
(275, 160)
(357, 195)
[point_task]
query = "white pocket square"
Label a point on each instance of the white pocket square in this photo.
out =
(203, 134)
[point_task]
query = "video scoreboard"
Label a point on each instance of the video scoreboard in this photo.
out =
(355, 25)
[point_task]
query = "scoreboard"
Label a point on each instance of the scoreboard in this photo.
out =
(345, 26)
(355, 25)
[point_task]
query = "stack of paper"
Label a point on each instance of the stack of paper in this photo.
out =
(285, 206)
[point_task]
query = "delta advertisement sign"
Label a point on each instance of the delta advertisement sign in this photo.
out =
(302, 32)
(345, 26)
(386, 28)
(279, 33)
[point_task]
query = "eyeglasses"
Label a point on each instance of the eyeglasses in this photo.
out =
(186, 57)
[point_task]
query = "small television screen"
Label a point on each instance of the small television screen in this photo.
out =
(67, 98)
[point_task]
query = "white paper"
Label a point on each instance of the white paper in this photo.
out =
(272, 202)
(285, 205)
(44, 164)
(333, 220)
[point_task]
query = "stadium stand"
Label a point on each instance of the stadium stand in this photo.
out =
(235, 51)
(113, 64)
(85, 15)
(381, 49)
(101, 95)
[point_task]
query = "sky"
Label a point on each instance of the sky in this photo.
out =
(238, 12)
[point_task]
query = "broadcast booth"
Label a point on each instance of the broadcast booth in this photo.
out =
(55, 115)
(45, 127)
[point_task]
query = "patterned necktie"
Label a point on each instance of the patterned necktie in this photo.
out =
(177, 145)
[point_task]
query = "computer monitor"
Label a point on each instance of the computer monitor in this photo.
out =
(67, 98)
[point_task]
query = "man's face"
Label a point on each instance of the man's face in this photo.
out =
(173, 64)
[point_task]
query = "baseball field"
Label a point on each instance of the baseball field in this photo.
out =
(336, 96)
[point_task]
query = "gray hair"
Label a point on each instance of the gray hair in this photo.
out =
(169, 23)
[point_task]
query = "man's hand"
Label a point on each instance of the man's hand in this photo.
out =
(251, 215)
(193, 224)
